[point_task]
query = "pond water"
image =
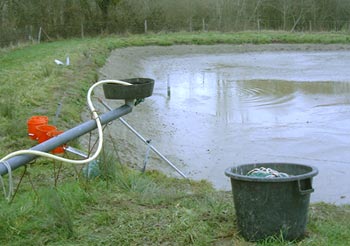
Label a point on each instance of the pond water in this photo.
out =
(211, 111)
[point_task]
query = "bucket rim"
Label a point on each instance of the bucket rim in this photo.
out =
(54, 133)
(46, 128)
(38, 118)
(236, 176)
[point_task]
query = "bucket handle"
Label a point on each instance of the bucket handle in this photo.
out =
(305, 186)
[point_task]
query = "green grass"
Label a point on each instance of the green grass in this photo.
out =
(141, 209)
(123, 206)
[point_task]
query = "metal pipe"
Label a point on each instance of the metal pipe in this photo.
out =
(144, 140)
(17, 161)
(76, 152)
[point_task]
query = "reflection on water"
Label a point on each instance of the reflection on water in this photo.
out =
(252, 87)
(250, 100)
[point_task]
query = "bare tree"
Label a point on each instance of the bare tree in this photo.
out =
(65, 18)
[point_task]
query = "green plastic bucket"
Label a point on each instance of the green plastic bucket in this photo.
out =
(272, 206)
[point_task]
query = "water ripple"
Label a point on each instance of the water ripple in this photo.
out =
(265, 95)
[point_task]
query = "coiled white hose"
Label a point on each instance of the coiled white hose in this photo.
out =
(58, 158)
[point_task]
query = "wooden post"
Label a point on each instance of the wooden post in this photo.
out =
(259, 25)
(39, 35)
(310, 26)
(145, 24)
(31, 33)
(203, 24)
(82, 30)
(168, 87)
(191, 24)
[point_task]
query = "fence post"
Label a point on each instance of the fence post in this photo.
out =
(145, 25)
(203, 24)
(82, 30)
(39, 35)
(31, 33)
(259, 25)
(190, 24)
(310, 26)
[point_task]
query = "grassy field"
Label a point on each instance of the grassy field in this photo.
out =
(127, 207)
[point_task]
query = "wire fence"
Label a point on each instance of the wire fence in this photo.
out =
(45, 32)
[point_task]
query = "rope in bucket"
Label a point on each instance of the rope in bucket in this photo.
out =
(263, 172)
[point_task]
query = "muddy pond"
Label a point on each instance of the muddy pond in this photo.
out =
(214, 107)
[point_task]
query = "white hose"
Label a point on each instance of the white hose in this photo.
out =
(100, 135)
(10, 192)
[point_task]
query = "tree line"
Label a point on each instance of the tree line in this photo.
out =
(66, 18)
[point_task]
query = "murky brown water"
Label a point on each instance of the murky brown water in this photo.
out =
(212, 110)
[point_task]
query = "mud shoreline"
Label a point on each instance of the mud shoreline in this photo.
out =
(126, 61)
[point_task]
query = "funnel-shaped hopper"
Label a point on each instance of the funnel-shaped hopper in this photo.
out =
(140, 88)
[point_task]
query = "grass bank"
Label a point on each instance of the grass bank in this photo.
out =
(126, 208)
